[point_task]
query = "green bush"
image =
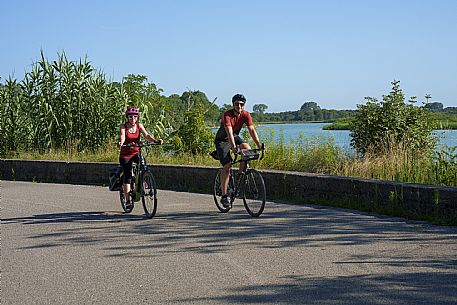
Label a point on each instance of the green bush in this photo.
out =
(193, 136)
(377, 126)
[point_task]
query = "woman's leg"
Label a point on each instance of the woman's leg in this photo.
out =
(127, 169)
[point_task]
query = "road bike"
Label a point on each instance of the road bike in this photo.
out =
(143, 184)
(247, 184)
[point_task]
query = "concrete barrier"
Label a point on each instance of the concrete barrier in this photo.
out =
(416, 201)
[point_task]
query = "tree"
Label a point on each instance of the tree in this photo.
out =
(259, 109)
(435, 106)
(427, 97)
(194, 136)
(379, 126)
(310, 106)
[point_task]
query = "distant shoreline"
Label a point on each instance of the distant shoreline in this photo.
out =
(329, 127)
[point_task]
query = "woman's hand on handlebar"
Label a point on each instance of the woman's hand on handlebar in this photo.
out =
(158, 141)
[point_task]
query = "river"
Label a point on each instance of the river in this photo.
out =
(341, 138)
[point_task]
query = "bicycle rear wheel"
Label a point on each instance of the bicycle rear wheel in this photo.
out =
(218, 192)
(127, 209)
(149, 195)
(254, 193)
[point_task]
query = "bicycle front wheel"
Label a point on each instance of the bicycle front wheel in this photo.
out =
(125, 207)
(149, 195)
(254, 193)
(218, 192)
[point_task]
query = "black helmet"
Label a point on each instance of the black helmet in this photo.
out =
(238, 97)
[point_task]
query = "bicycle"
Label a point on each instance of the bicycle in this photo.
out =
(143, 185)
(249, 184)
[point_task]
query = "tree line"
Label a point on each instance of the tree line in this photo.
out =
(64, 104)
(308, 112)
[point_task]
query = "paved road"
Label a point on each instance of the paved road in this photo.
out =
(66, 244)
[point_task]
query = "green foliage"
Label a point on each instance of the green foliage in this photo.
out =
(60, 104)
(193, 135)
(444, 166)
(310, 106)
(259, 110)
(65, 104)
(377, 126)
(339, 124)
(435, 106)
(177, 106)
(305, 115)
(444, 120)
(11, 121)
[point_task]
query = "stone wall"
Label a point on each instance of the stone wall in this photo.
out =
(415, 201)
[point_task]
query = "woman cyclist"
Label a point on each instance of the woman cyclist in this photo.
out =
(129, 132)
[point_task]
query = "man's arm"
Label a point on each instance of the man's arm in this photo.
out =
(231, 138)
(254, 135)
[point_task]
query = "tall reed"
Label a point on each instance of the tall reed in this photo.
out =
(64, 104)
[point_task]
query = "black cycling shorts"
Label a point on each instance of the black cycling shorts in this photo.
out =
(127, 167)
(223, 149)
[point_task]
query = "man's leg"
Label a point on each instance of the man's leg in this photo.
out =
(225, 174)
(243, 164)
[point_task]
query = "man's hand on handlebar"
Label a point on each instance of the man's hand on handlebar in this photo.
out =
(262, 148)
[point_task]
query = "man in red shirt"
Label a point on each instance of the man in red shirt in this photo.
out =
(228, 138)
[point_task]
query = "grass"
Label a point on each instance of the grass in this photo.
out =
(303, 154)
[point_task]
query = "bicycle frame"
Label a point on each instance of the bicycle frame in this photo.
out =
(243, 174)
(142, 179)
(138, 169)
(248, 186)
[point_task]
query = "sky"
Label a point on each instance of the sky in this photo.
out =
(278, 53)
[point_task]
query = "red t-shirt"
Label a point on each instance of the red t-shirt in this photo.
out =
(236, 121)
(129, 152)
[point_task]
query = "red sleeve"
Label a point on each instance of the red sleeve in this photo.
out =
(248, 119)
(226, 119)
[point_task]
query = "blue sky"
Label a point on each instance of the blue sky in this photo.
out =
(280, 53)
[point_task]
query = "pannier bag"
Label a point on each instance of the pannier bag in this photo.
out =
(115, 182)
(214, 154)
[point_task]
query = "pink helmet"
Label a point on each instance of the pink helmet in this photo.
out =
(132, 110)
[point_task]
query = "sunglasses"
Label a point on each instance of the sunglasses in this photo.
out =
(239, 104)
(132, 116)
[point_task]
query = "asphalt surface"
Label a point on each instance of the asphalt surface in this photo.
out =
(69, 244)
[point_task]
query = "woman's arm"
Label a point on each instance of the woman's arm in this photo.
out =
(149, 137)
(121, 135)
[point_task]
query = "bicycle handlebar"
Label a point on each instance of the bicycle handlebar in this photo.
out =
(140, 144)
(239, 152)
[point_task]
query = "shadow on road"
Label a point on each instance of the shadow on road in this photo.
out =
(211, 231)
(71, 217)
(431, 279)
(399, 289)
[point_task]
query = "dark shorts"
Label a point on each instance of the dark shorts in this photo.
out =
(127, 167)
(223, 149)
